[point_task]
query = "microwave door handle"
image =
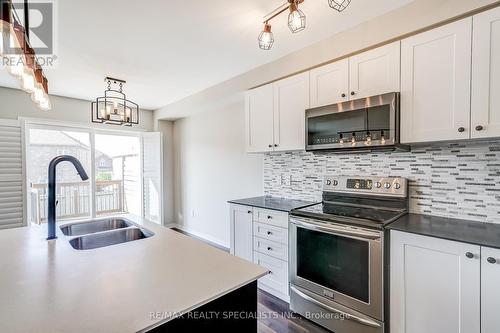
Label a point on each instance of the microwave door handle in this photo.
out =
(346, 315)
(338, 230)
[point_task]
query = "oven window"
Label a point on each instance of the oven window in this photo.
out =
(335, 262)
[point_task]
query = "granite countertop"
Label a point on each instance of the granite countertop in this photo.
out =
(274, 203)
(47, 286)
(473, 232)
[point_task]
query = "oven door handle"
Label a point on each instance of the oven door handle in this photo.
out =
(346, 315)
(337, 230)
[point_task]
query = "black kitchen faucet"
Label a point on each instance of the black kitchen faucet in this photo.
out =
(52, 189)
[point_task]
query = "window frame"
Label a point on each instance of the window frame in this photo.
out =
(28, 124)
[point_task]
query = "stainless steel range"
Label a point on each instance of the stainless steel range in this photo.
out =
(337, 252)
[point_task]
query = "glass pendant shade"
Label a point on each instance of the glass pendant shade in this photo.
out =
(296, 19)
(339, 5)
(266, 38)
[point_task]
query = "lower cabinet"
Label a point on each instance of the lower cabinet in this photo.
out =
(241, 232)
(442, 286)
(490, 290)
(261, 235)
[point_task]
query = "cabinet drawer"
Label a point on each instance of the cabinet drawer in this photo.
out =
(277, 279)
(273, 249)
(270, 232)
(273, 217)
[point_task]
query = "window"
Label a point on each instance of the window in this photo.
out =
(72, 194)
(116, 176)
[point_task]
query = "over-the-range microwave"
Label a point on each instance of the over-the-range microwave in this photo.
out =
(366, 124)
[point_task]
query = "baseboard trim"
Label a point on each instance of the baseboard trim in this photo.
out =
(202, 237)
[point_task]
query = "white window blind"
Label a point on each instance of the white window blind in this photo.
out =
(11, 175)
(152, 176)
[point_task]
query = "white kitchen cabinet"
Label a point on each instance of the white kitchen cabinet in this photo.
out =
(329, 84)
(434, 285)
(490, 290)
(291, 99)
(375, 72)
(275, 115)
(241, 231)
(485, 108)
(259, 119)
(435, 84)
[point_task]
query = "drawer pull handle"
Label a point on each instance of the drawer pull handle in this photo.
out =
(269, 217)
(469, 255)
(249, 212)
(269, 233)
(269, 248)
(491, 260)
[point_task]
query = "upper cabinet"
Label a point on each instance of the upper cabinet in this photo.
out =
(330, 83)
(275, 115)
(366, 74)
(375, 72)
(435, 84)
(485, 109)
(259, 119)
(291, 99)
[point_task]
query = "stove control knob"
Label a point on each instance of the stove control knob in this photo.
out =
(387, 185)
(335, 182)
(397, 186)
(328, 182)
(378, 184)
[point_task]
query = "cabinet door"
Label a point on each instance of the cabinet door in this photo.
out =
(485, 117)
(435, 286)
(291, 99)
(241, 232)
(330, 84)
(490, 290)
(435, 84)
(259, 119)
(375, 72)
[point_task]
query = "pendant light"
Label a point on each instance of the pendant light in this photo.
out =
(296, 18)
(114, 108)
(339, 5)
(20, 58)
(266, 37)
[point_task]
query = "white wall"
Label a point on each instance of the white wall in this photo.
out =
(167, 128)
(211, 167)
(16, 103)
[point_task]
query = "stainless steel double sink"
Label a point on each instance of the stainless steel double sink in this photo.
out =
(104, 232)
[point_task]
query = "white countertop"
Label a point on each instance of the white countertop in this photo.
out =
(47, 286)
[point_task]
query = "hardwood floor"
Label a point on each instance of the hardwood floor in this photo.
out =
(274, 314)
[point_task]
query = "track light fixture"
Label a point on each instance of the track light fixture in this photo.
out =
(296, 19)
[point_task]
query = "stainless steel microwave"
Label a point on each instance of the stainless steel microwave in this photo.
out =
(366, 124)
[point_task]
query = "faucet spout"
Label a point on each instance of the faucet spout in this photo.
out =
(51, 209)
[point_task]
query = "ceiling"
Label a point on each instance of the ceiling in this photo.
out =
(168, 50)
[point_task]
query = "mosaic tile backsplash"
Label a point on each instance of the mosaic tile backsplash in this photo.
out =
(460, 180)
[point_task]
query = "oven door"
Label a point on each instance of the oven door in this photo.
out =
(338, 262)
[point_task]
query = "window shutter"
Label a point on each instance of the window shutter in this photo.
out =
(12, 206)
(152, 161)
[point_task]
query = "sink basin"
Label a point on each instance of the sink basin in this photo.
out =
(108, 238)
(90, 227)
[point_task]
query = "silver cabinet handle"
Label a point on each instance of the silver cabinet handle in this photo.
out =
(491, 260)
(347, 316)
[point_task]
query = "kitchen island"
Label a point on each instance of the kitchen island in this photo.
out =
(138, 286)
